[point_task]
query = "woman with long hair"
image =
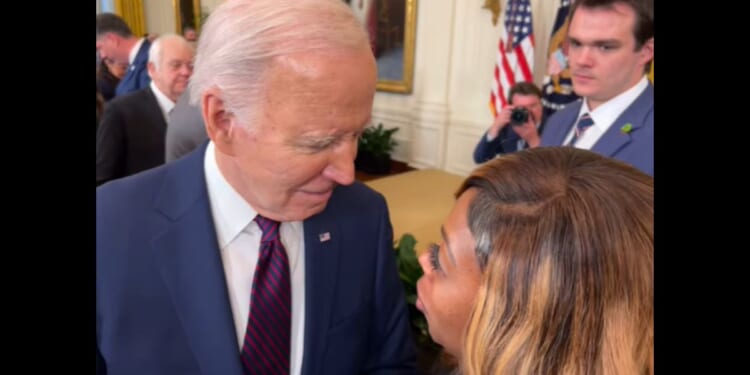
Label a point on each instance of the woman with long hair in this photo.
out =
(546, 267)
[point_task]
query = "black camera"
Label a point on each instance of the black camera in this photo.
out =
(519, 116)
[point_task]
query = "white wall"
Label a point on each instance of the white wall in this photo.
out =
(443, 118)
(447, 111)
(160, 16)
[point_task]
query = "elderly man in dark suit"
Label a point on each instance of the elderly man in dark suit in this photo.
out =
(258, 253)
(130, 138)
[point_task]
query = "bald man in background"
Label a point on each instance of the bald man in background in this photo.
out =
(131, 136)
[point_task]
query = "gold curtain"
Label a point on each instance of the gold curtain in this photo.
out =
(651, 73)
(132, 12)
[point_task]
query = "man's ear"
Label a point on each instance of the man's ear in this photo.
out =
(647, 51)
(151, 70)
(218, 121)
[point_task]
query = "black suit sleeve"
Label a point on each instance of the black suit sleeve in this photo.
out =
(110, 144)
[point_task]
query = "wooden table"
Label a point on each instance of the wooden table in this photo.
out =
(419, 201)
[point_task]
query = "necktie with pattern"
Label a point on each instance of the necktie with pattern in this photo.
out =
(584, 123)
(267, 338)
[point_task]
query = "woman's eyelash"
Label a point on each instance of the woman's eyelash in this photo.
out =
(434, 261)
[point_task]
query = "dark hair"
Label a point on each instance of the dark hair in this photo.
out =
(644, 18)
(644, 15)
(523, 88)
(112, 23)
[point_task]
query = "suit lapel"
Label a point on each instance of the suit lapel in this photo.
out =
(152, 109)
(322, 249)
(190, 263)
(614, 138)
(570, 120)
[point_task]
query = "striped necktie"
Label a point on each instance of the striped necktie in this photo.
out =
(267, 338)
(584, 123)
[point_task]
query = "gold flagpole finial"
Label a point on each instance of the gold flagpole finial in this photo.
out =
(494, 7)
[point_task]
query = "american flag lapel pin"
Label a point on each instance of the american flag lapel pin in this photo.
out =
(323, 237)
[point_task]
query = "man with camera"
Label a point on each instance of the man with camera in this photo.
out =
(516, 127)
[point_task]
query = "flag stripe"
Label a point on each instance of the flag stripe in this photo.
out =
(514, 65)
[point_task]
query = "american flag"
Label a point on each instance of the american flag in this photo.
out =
(515, 54)
(558, 86)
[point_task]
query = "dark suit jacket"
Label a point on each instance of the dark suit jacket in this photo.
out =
(635, 147)
(185, 129)
(130, 138)
(505, 142)
(162, 304)
(137, 76)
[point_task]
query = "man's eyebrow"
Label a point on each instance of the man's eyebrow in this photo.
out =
(597, 42)
(447, 245)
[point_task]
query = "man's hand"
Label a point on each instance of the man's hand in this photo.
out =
(502, 119)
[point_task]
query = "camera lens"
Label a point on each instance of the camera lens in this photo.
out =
(519, 116)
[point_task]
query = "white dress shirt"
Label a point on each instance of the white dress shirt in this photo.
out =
(165, 103)
(239, 243)
(134, 52)
(605, 115)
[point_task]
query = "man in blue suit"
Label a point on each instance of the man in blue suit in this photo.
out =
(183, 285)
(611, 46)
(506, 135)
(116, 42)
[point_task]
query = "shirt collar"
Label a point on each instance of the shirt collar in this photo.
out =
(134, 51)
(609, 111)
(231, 213)
(165, 103)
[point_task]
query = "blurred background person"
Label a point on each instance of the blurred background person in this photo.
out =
(108, 76)
(190, 35)
(131, 136)
(116, 42)
(516, 127)
(185, 129)
(546, 267)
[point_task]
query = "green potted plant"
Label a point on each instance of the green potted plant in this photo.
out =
(375, 147)
(429, 360)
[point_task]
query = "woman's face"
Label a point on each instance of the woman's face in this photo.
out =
(451, 279)
(117, 69)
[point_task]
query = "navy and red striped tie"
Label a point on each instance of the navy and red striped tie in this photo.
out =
(267, 338)
(584, 123)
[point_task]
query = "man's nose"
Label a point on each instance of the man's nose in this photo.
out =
(341, 166)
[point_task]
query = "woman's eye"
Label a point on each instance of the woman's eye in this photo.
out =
(434, 249)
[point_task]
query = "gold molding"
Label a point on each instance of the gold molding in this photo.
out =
(494, 7)
(196, 15)
(404, 86)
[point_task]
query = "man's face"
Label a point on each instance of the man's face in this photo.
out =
(602, 55)
(110, 49)
(190, 35)
(532, 103)
(287, 162)
(174, 70)
(451, 279)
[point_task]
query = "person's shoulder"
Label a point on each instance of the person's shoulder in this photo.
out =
(130, 191)
(570, 109)
(132, 97)
(356, 196)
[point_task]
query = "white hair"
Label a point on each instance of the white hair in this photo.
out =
(241, 38)
(154, 53)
